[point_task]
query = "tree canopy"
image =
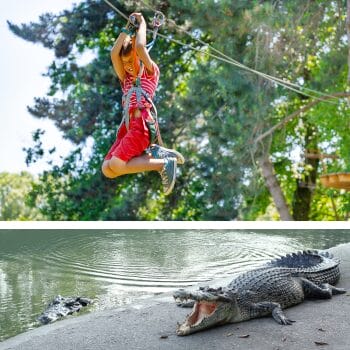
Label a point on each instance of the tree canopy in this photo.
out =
(247, 140)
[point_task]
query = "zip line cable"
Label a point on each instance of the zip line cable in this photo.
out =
(240, 65)
(228, 59)
(115, 9)
(230, 62)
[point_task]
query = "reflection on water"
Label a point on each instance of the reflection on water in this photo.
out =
(117, 267)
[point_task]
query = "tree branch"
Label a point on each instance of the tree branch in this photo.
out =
(298, 112)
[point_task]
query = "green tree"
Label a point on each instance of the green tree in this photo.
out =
(301, 41)
(14, 189)
(319, 55)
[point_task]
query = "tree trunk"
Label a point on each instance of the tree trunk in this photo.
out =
(274, 187)
(303, 193)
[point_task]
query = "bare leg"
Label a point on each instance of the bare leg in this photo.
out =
(116, 167)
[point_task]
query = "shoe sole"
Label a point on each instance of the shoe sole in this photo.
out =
(180, 159)
(170, 189)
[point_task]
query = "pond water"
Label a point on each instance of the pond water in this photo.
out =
(117, 267)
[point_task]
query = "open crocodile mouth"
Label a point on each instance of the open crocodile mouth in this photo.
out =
(201, 312)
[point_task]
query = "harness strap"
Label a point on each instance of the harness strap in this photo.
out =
(155, 117)
(137, 89)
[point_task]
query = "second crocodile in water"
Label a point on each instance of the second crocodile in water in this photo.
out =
(266, 290)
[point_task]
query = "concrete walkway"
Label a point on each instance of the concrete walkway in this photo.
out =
(320, 324)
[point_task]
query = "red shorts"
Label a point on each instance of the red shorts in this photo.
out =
(131, 143)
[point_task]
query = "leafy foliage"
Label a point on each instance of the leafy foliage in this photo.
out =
(14, 202)
(210, 111)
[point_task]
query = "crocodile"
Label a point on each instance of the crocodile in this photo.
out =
(62, 306)
(263, 291)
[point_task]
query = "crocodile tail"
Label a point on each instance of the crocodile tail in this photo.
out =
(329, 255)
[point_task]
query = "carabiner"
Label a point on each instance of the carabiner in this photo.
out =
(158, 19)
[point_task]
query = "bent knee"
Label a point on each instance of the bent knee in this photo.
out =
(117, 166)
(107, 171)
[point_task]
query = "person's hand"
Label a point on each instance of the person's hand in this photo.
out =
(138, 16)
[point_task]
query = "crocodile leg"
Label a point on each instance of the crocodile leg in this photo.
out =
(323, 291)
(265, 307)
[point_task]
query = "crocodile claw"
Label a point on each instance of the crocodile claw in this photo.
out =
(338, 290)
(286, 321)
(280, 317)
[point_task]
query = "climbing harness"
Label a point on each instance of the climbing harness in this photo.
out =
(152, 125)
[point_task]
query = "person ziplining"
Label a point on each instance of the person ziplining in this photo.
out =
(134, 149)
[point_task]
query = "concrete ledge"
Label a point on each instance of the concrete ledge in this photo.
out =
(151, 325)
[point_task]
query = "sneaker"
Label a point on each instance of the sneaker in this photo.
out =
(168, 175)
(159, 152)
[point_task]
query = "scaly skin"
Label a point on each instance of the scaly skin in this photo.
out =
(267, 290)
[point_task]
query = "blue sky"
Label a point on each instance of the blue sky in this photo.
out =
(21, 67)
